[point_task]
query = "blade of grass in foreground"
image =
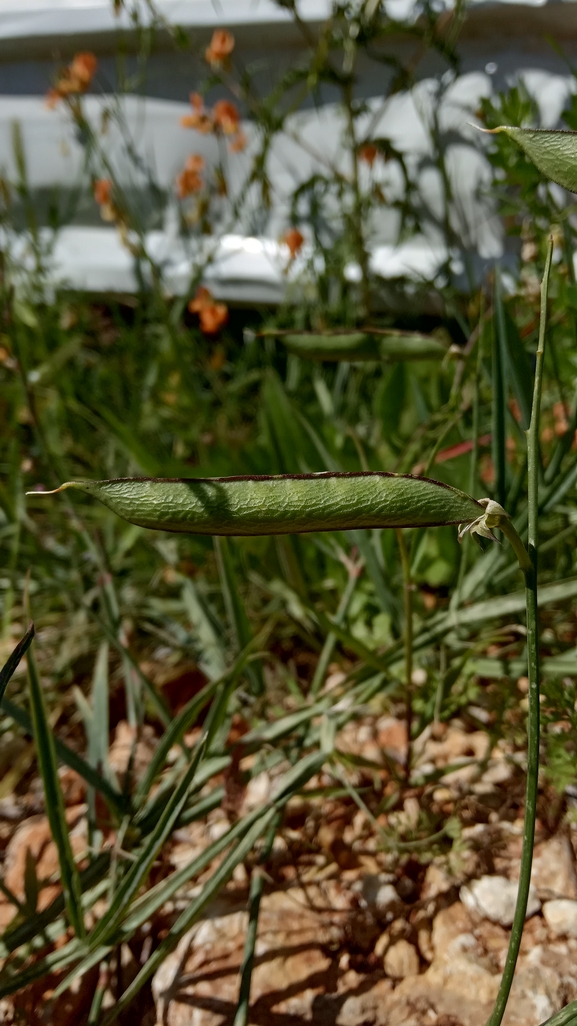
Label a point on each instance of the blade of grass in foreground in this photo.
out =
(256, 889)
(14, 658)
(174, 806)
(533, 670)
(293, 781)
(566, 1017)
(55, 809)
(117, 803)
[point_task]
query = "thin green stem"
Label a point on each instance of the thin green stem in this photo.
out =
(331, 639)
(408, 641)
(529, 567)
(256, 889)
(357, 216)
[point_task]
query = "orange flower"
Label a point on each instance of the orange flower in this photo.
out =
(200, 118)
(221, 46)
(212, 316)
(237, 144)
(74, 79)
(226, 117)
(368, 153)
(189, 180)
(102, 191)
(294, 240)
(83, 68)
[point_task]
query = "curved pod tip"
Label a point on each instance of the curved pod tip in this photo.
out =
(61, 488)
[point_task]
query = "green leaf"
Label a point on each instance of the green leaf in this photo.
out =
(566, 1017)
(55, 809)
(13, 660)
(553, 152)
(235, 610)
(116, 801)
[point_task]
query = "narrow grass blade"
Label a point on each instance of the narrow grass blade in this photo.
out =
(156, 700)
(256, 889)
(292, 782)
(99, 735)
(14, 659)
(212, 657)
(330, 641)
(192, 913)
(566, 1017)
(235, 610)
(499, 395)
(37, 925)
(117, 802)
(384, 594)
(174, 806)
(519, 370)
(55, 809)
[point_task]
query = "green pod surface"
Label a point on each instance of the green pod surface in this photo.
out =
(284, 504)
(553, 152)
(363, 346)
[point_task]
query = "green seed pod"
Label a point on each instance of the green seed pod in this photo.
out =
(287, 504)
(360, 346)
(553, 152)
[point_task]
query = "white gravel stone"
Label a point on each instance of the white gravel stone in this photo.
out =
(401, 960)
(494, 897)
(561, 917)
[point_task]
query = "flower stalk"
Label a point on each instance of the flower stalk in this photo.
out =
(528, 563)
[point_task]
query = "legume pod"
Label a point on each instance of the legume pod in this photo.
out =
(361, 346)
(287, 504)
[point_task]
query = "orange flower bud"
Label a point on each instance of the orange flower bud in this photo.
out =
(368, 153)
(74, 79)
(200, 119)
(102, 190)
(294, 240)
(212, 316)
(221, 46)
(83, 68)
(226, 117)
(189, 180)
(238, 143)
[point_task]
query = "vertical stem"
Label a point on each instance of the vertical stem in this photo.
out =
(357, 224)
(330, 641)
(408, 639)
(533, 669)
(256, 889)
(473, 466)
(499, 394)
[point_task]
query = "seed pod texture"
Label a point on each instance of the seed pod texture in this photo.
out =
(287, 504)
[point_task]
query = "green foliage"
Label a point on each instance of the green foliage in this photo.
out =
(110, 390)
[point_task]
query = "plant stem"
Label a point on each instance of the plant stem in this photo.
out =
(408, 639)
(256, 889)
(357, 214)
(528, 563)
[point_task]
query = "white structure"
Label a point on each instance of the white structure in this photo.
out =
(498, 41)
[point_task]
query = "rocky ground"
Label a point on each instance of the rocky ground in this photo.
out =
(354, 930)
